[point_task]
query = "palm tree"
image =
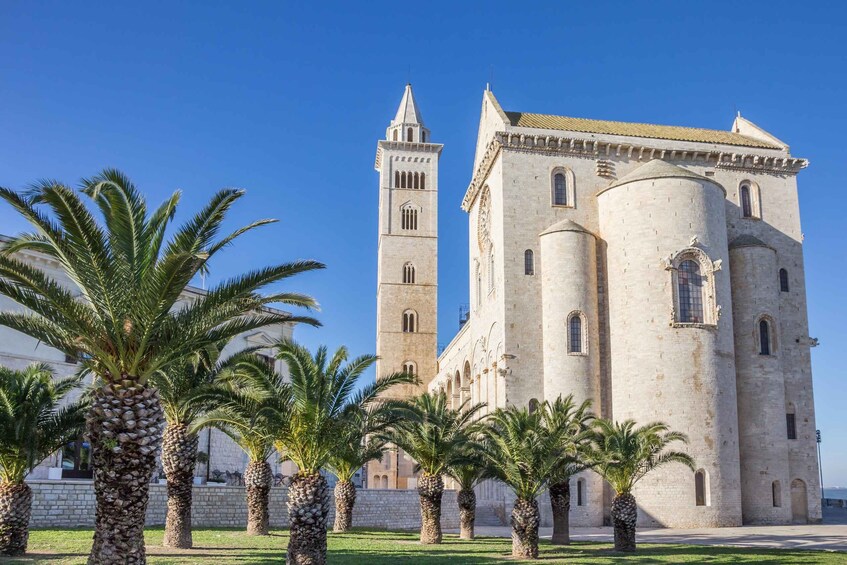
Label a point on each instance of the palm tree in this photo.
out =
(248, 405)
(182, 389)
(624, 454)
(563, 416)
(32, 426)
(362, 442)
(323, 397)
(125, 319)
(434, 435)
(521, 451)
(468, 473)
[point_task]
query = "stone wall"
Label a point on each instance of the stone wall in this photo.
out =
(71, 504)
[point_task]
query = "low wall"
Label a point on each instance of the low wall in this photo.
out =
(71, 504)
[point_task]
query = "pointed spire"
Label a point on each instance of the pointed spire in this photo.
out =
(408, 112)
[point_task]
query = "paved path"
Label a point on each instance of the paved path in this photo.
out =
(823, 536)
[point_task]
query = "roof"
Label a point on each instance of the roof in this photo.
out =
(408, 112)
(658, 169)
(746, 240)
(676, 133)
(565, 225)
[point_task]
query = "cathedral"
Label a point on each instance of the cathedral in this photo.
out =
(655, 270)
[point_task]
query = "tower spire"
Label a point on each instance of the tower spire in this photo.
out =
(407, 124)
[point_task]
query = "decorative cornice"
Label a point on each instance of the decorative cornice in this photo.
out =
(404, 146)
(596, 149)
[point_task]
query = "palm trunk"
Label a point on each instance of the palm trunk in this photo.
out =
(125, 426)
(179, 454)
(525, 522)
(258, 479)
(624, 515)
(467, 513)
(308, 511)
(430, 489)
(560, 502)
(15, 510)
(345, 498)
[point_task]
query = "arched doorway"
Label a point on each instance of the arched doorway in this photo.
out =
(799, 502)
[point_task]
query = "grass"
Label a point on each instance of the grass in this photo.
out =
(68, 546)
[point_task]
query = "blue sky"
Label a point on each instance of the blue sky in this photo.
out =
(288, 99)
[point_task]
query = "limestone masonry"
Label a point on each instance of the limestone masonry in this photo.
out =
(656, 270)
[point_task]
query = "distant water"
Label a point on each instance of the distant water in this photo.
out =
(835, 493)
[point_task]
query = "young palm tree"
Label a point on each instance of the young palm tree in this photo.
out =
(32, 426)
(573, 422)
(182, 389)
(362, 442)
(125, 319)
(522, 452)
(323, 397)
(468, 472)
(248, 406)
(434, 435)
(624, 454)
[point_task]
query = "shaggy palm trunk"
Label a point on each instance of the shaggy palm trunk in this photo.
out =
(624, 515)
(308, 511)
(430, 489)
(525, 522)
(15, 509)
(560, 502)
(345, 498)
(125, 426)
(258, 479)
(179, 453)
(467, 513)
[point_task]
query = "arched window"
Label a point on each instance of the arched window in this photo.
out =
(575, 334)
(533, 405)
(700, 488)
(423, 136)
(423, 181)
(776, 493)
(783, 280)
(408, 273)
(560, 190)
(528, 262)
(410, 321)
(764, 337)
(791, 421)
(417, 181)
(580, 492)
(690, 292)
(394, 137)
(746, 202)
(409, 134)
(409, 218)
(396, 179)
(410, 368)
(385, 481)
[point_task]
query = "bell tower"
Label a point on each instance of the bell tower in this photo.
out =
(407, 277)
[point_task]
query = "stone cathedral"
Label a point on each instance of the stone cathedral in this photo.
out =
(655, 270)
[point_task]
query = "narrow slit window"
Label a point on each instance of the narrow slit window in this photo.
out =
(580, 492)
(764, 337)
(575, 334)
(783, 280)
(700, 488)
(423, 181)
(528, 262)
(791, 425)
(746, 201)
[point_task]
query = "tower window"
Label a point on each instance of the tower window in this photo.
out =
(528, 262)
(408, 273)
(749, 198)
(690, 292)
(396, 178)
(417, 181)
(409, 218)
(791, 425)
(764, 337)
(700, 488)
(575, 344)
(394, 135)
(746, 204)
(410, 321)
(580, 492)
(423, 137)
(410, 368)
(409, 134)
(560, 190)
(423, 181)
(783, 280)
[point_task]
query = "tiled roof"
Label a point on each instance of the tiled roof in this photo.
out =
(677, 133)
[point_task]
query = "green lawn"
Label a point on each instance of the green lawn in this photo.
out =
(62, 546)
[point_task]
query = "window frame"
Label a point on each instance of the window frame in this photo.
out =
(409, 273)
(754, 200)
(410, 322)
(771, 349)
(570, 189)
(708, 268)
(529, 262)
(583, 334)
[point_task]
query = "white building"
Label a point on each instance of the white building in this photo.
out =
(656, 270)
(18, 350)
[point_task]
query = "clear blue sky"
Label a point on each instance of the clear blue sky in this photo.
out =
(288, 99)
